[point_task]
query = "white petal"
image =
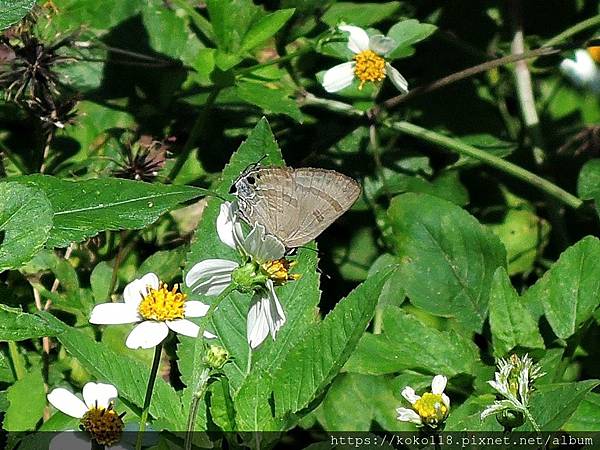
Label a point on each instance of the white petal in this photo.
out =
(408, 415)
(183, 326)
(276, 316)
(147, 334)
(99, 394)
(114, 313)
(446, 400)
(339, 77)
(409, 394)
(381, 44)
(135, 291)
(225, 225)
(209, 335)
(358, 40)
(571, 70)
(396, 78)
(66, 402)
(257, 326)
(71, 440)
(262, 246)
(194, 308)
(211, 276)
(438, 384)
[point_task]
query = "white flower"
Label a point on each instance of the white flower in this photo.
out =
(430, 409)
(583, 71)
(368, 65)
(98, 418)
(158, 310)
(513, 381)
(265, 252)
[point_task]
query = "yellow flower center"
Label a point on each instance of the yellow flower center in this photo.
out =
(431, 408)
(369, 67)
(104, 425)
(594, 52)
(278, 270)
(163, 304)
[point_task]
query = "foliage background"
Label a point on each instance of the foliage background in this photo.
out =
(456, 262)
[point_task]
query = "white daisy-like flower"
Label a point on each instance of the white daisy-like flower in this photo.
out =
(583, 71)
(156, 308)
(368, 64)
(430, 409)
(96, 413)
(265, 267)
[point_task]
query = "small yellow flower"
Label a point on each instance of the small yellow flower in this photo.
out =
(163, 304)
(430, 409)
(369, 67)
(278, 270)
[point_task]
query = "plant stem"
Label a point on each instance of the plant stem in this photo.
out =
(489, 159)
(148, 396)
(200, 380)
(197, 129)
(279, 60)
(573, 30)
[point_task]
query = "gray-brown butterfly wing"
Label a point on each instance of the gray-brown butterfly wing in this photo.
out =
(297, 205)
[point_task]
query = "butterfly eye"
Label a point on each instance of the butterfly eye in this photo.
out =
(233, 189)
(251, 180)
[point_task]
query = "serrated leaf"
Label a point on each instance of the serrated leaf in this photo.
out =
(231, 20)
(16, 325)
(406, 343)
(11, 11)
(448, 258)
(84, 208)
(511, 323)
(25, 221)
(130, 376)
(264, 28)
(406, 34)
(551, 405)
(270, 100)
(311, 365)
(359, 14)
(27, 400)
(570, 290)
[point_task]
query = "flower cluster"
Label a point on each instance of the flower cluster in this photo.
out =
(430, 409)
(263, 267)
(368, 64)
(514, 383)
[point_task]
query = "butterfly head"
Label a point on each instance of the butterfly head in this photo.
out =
(245, 185)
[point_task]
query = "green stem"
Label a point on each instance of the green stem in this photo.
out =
(534, 424)
(148, 396)
(17, 362)
(573, 30)
(378, 320)
(194, 134)
(489, 159)
(279, 60)
(202, 378)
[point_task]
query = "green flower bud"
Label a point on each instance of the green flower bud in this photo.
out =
(216, 357)
(510, 418)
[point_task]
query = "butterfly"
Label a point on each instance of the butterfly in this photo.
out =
(294, 205)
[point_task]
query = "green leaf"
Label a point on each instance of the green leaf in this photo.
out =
(359, 14)
(264, 28)
(11, 11)
(374, 394)
(588, 183)
(551, 405)
(586, 416)
(92, 15)
(311, 365)
(271, 100)
(27, 398)
(406, 343)
(100, 281)
(16, 325)
(231, 20)
(25, 220)
(406, 34)
(166, 264)
(467, 417)
(570, 290)
(84, 208)
(448, 258)
(130, 376)
(511, 323)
